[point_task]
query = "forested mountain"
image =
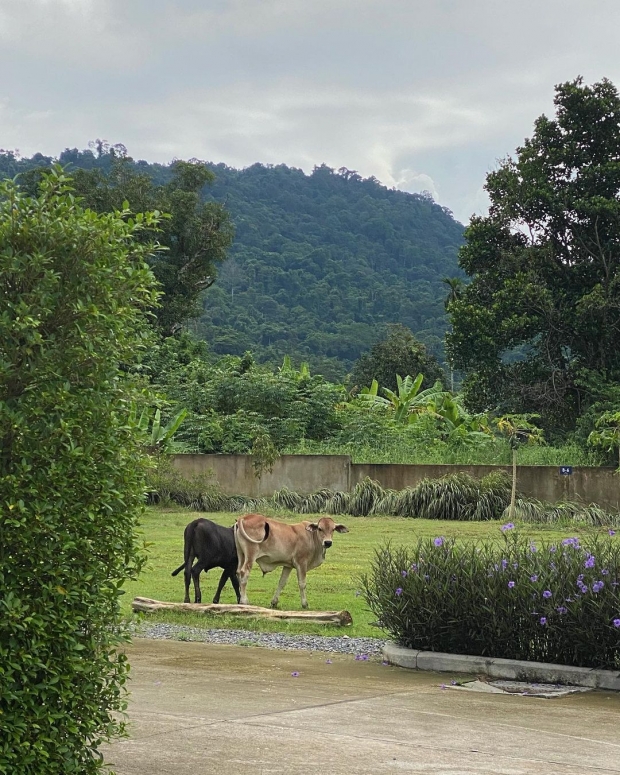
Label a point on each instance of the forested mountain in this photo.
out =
(320, 261)
(319, 264)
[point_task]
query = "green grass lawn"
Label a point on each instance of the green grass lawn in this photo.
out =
(332, 586)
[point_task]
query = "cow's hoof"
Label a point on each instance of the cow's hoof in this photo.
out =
(273, 604)
(305, 606)
(216, 601)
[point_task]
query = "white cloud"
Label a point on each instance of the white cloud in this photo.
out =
(412, 92)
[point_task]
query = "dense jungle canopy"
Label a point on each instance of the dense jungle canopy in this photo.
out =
(320, 263)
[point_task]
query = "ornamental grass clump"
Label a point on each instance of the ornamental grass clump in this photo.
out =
(554, 602)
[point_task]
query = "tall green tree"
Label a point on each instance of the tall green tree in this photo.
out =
(399, 352)
(74, 287)
(196, 235)
(538, 324)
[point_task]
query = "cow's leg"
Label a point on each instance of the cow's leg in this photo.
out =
(232, 575)
(196, 571)
(286, 572)
(187, 573)
(225, 575)
(243, 574)
(301, 580)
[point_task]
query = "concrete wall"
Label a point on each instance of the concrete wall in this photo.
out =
(592, 485)
(309, 473)
(302, 473)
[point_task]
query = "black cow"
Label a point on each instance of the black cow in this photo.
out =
(214, 546)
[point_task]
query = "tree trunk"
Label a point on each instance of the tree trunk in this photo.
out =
(341, 618)
(513, 494)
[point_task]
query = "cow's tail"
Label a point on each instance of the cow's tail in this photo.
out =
(187, 548)
(239, 526)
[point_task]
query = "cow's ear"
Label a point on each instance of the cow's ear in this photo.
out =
(341, 529)
(312, 527)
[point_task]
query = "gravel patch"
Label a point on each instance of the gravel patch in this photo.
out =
(360, 647)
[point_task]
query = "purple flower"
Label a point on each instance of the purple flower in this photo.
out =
(361, 657)
(583, 589)
(547, 594)
(580, 577)
(414, 567)
(511, 584)
(504, 564)
(553, 549)
(515, 565)
(399, 592)
(442, 686)
(533, 577)
(612, 532)
(533, 548)
(543, 620)
(574, 542)
(403, 573)
(295, 674)
(328, 661)
(438, 541)
(385, 663)
(507, 526)
(452, 682)
(589, 563)
(616, 622)
(605, 572)
(561, 609)
(597, 586)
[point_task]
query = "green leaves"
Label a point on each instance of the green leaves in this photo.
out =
(75, 289)
(543, 304)
(508, 598)
(607, 432)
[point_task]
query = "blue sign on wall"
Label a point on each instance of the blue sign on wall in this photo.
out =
(566, 470)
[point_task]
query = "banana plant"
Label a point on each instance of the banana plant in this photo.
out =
(287, 368)
(157, 437)
(459, 425)
(407, 402)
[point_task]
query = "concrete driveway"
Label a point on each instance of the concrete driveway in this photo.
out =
(199, 708)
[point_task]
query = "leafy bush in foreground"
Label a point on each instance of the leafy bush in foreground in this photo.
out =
(556, 602)
(75, 286)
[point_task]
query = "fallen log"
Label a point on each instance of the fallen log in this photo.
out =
(341, 618)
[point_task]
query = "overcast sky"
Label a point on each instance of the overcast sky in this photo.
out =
(424, 95)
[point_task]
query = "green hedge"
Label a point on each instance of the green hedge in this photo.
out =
(75, 286)
(556, 602)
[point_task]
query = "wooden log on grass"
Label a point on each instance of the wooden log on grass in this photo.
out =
(341, 618)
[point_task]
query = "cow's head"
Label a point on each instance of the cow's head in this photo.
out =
(324, 529)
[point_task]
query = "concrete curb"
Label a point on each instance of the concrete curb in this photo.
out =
(509, 669)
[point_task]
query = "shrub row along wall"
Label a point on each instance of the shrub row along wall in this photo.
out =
(309, 473)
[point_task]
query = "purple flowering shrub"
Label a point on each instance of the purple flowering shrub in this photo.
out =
(554, 602)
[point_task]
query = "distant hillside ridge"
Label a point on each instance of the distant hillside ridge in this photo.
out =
(320, 262)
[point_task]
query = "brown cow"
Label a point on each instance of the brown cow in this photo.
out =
(274, 544)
